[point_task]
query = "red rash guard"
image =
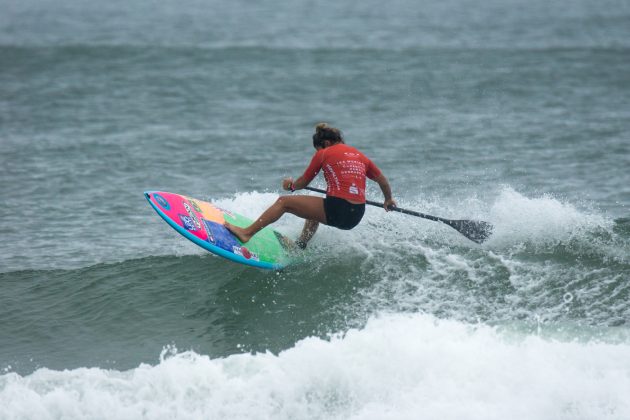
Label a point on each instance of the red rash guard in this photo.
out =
(345, 169)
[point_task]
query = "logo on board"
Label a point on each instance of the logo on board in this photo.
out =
(245, 253)
(192, 216)
(187, 222)
(161, 201)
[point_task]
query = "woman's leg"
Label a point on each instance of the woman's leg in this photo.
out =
(310, 227)
(304, 206)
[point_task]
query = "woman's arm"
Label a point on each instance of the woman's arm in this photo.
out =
(289, 185)
(310, 173)
(382, 182)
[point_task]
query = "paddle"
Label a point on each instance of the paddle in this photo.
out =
(476, 231)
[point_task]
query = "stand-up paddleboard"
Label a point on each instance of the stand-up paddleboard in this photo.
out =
(202, 223)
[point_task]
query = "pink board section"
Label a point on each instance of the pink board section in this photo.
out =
(188, 213)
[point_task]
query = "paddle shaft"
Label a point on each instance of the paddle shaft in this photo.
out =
(398, 209)
(475, 230)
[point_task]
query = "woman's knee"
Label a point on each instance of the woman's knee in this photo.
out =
(301, 206)
(282, 202)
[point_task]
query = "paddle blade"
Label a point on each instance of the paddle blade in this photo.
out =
(476, 231)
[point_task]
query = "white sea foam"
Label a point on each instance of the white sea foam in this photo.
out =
(516, 218)
(397, 367)
(542, 219)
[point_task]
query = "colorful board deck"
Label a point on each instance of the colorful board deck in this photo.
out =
(202, 223)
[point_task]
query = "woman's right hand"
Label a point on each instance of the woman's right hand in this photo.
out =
(286, 184)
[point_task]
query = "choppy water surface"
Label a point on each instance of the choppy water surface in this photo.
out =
(514, 112)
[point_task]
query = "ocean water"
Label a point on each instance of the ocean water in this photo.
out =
(515, 112)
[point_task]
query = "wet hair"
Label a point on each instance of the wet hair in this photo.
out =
(325, 132)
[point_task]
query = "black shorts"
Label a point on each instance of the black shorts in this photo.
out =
(342, 214)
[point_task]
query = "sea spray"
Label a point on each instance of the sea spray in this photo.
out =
(397, 366)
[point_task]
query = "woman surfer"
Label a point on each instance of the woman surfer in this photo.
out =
(345, 169)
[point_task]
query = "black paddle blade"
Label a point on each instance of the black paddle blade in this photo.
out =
(474, 230)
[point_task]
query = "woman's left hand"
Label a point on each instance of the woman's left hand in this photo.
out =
(389, 204)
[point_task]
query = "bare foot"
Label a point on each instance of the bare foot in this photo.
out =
(239, 232)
